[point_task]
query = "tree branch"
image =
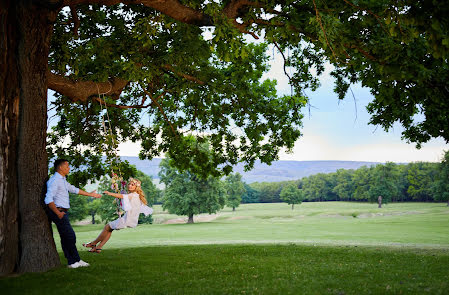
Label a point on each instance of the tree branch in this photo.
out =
(122, 107)
(75, 20)
(185, 76)
(155, 101)
(83, 90)
(171, 8)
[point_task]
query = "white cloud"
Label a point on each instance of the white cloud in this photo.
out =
(313, 147)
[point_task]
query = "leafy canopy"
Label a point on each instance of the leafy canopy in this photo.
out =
(176, 80)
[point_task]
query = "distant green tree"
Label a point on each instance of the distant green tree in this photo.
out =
(234, 189)
(78, 207)
(319, 187)
(362, 183)
(421, 177)
(107, 208)
(441, 187)
(188, 194)
(268, 191)
(344, 188)
(251, 195)
(385, 178)
(292, 195)
(93, 206)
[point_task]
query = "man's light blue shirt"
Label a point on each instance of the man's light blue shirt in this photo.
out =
(58, 191)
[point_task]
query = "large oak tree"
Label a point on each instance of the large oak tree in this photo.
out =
(152, 55)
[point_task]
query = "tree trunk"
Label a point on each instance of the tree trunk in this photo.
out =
(24, 164)
(93, 217)
(233, 208)
(293, 206)
(190, 218)
(9, 118)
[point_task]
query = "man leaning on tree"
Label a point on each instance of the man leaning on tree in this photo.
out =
(57, 200)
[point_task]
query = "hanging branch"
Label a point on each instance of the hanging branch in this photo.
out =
(318, 17)
(155, 101)
(283, 56)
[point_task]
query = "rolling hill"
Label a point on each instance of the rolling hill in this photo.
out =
(277, 171)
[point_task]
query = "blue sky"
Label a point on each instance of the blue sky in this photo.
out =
(339, 130)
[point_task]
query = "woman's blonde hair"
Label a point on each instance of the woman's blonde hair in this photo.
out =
(139, 190)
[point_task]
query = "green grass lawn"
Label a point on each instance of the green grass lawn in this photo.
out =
(318, 248)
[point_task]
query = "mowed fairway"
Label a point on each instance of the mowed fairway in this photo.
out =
(335, 223)
(318, 248)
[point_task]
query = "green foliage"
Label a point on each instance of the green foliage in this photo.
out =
(108, 208)
(187, 194)
(292, 195)
(268, 192)
(160, 56)
(93, 207)
(441, 186)
(213, 87)
(234, 190)
(78, 207)
(251, 195)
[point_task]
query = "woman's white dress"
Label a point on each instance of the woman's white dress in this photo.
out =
(133, 207)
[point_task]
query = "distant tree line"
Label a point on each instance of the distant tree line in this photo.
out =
(421, 182)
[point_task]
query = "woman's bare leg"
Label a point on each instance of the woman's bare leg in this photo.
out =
(107, 232)
(102, 235)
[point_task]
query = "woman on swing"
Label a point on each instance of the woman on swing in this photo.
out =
(133, 203)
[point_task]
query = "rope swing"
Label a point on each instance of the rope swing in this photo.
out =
(117, 182)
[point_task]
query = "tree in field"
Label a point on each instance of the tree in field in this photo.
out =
(385, 179)
(251, 195)
(421, 179)
(344, 187)
(268, 191)
(187, 194)
(362, 183)
(292, 195)
(153, 57)
(78, 207)
(93, 207)
(441, 186)
(234, 190)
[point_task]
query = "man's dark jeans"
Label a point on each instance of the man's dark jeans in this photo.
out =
(68, 238)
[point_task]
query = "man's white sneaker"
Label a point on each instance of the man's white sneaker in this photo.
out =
(83, 263)
(74, 265)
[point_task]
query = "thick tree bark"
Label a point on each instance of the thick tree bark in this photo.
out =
(9, 116)
(26, 241)
(190, 219)
(37, 247)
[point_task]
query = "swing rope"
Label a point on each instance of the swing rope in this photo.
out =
(114, 179)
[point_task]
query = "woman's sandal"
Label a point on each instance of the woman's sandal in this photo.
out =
(95, 250)
(89, 245)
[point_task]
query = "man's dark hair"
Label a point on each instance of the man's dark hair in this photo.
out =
(58, 163)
